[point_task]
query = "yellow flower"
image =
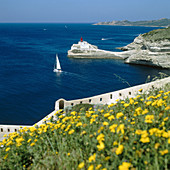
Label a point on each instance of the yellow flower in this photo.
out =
(145, 140)
(100, 137)
(68, 154)
(81, 165)
(118, 115)
(71, 132)
(56, 153)
(92, 157)
(115, 143)
(79, 124)
(125, 166)
(106, 114)
(98, 166)
(101, 146)
(140, 90)
(107, 158)
(145, 111)
(157, 145)
(29, 140)
(32, 144)
(105, 123)
(119, 150)
(167, 108)
(90, 167)
(164, 152)
(6, 156)
(126, 104)
(121, 128)
(9, 143)
(111, 105)
(111, 117)
(7, 149)
(112, 128)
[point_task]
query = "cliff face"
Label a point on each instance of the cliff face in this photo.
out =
(152, 49)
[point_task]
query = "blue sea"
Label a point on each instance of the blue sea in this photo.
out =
(28, 85)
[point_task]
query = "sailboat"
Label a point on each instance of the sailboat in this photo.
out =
(57, 67)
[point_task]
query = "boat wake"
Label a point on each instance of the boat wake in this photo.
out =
(104, 39)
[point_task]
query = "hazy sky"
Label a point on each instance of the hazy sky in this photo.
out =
(82, 10)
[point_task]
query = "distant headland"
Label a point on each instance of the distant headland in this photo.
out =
(164, 22)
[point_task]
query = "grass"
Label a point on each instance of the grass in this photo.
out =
(158, 34)
(130, 134)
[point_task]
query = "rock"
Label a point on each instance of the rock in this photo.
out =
(148, 51)
(85, 50)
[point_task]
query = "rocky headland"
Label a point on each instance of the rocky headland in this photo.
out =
(164, 22)
(152, 48)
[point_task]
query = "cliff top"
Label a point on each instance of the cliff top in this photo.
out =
(158, 34)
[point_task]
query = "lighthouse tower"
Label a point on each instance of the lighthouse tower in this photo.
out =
(81, 39)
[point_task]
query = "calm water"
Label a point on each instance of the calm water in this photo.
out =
(28, 85)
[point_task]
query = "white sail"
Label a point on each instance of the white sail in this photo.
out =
(58, 63)
(57, 67)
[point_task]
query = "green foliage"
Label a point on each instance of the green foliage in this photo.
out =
(158, 34)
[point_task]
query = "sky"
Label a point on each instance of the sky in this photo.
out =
(81, 11)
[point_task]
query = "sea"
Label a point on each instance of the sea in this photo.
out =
(28, 85)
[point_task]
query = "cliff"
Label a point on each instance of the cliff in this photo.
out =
(164, 22)
(152, 48)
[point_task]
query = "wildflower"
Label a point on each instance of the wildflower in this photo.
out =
(101, 146)
(119, 150)
(92, 157)
(118, 115)
(167, 108)
(106, 114)
(71, 132)
(7, 149)
(81, 165)
(98, 166)
(9, 143)
(126, 104)
(124, 166)
(100, 137)
(105, 123)
(112, 128)
(145, 140)
(121, 128)
(145, 111)
(107, 158)
(157, 145)
(131, 101)
(82, 133)
(68, 154)
(32, 144)
(6, 156)
(111, 105)
(56, 153)
(140, 90)
(115, 143)
(165, 119)
(149, 118)
(164, 152)
(111, 117)
(29, 140)
(79, 124)
(90, 167)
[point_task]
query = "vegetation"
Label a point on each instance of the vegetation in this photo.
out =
(158, 34)
(130, 134)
